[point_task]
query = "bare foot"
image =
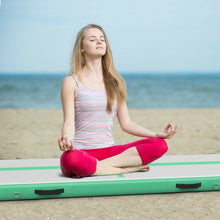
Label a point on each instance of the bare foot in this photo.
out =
(106, 169)
(145, 168)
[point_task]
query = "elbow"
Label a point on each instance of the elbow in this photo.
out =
(125, 126)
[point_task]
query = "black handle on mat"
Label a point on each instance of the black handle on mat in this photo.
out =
(49, 192)
(188, 186)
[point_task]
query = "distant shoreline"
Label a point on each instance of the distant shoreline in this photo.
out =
(121, 72)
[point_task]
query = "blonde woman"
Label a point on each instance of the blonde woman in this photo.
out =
(92, 96)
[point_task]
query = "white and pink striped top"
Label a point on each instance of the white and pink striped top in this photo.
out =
(93, 123)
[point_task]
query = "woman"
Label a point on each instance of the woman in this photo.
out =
(92, 95)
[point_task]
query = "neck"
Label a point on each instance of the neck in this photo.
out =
(93, 67)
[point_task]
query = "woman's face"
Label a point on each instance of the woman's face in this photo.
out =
(94, 43)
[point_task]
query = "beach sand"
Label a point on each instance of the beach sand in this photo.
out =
(31, 133)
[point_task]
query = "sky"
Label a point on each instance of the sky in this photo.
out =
(145, 35)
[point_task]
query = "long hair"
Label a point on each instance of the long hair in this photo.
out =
(114, 84)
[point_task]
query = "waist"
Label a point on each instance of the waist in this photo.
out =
(87, 145)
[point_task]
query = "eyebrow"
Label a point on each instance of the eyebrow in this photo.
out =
(95, 36)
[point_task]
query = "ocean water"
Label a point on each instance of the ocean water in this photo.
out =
(42, 91)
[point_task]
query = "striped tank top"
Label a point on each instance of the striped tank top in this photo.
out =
(93, 123)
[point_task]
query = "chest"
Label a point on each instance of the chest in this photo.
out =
(92, 102)
(94, 83)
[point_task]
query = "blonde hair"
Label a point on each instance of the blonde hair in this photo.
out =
(114, 84)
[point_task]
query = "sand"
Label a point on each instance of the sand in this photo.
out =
(31, 133)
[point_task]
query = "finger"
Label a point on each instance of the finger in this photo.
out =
(171, 126)
(172, 131)
(175, 129)
(60, 143)
(68, 148)
(65, 148)
(64, 143)
(167, 127)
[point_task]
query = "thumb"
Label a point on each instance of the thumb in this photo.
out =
(60, 143)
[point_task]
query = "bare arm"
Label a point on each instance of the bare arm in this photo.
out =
(128, 126)
(68, 130)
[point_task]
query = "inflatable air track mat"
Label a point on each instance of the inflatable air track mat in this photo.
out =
(42, 178)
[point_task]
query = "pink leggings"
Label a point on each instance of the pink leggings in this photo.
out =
(83, 162)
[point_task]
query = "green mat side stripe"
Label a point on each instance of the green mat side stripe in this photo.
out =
(121, 175)
(185, 163)
(29, 168)
(152, 164)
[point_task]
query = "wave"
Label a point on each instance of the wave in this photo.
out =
(8, 87)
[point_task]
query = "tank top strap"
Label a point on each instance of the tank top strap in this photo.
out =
(77, 80)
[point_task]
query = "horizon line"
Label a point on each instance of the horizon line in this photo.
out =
(120, 72)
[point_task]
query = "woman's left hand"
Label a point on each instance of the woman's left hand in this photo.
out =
(168, 132)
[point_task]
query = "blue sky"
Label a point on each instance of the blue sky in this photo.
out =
(145, 35)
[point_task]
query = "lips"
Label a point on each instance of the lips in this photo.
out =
(99, 47)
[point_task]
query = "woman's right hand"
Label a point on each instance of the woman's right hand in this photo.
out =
(65, 144)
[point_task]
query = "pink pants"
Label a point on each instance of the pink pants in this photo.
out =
(83, 162)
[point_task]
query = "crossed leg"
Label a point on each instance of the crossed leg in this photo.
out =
(133, 158)
(121, 164)
(113, 160)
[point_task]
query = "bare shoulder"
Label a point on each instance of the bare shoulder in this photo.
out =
(69, 83)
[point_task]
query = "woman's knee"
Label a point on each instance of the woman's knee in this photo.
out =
(67, 162)
(152, 150)
(77, 162)
(160, 146)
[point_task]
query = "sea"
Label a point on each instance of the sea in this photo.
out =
(159, 91)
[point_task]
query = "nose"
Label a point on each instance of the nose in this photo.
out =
(99, 41)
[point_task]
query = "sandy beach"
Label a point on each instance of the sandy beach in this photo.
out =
(31, 133)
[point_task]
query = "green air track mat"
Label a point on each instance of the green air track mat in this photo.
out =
(42, 178)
